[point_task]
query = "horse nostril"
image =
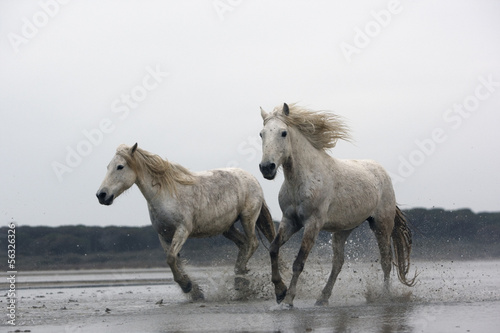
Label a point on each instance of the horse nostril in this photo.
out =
(267, 168)
(101, 195)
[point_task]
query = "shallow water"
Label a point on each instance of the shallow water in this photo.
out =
(450, 296)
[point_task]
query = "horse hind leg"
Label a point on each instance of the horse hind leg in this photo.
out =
(233, 234)
(240, 240)
(247, 244)
(180, 276)
(338, 243)
(382, 231)
(251, 243)
(265, 223)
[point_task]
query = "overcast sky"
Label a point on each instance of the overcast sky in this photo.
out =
(417, 81)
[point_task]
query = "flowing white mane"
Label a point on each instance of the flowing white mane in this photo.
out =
(322, 129)
(165, 174)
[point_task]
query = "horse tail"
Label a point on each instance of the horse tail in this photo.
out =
(265, 223)
(401, 240)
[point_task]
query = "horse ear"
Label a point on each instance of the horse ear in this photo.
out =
(263, 113)
(133, 149)
(286, 109)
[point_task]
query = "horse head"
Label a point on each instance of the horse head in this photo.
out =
(119, 177)
(275, 142)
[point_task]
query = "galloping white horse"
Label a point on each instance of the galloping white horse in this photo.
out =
(184, 204)
(324, 193)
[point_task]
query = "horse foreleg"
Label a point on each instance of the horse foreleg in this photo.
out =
(338, 243)
(285, 231)
(172, 250)
(310, 234)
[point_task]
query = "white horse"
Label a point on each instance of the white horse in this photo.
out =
(184, 204)
(324, 193)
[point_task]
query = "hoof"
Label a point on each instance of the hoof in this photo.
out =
(281, 307)
(280, 297)
(187, 288)
(321, 302)
(198, 297)
(241, 283)
(197, 294)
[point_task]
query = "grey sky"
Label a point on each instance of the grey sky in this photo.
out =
(417, 81)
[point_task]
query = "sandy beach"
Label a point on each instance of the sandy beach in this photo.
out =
(450, 297)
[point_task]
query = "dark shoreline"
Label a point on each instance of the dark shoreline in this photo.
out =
(437, 235)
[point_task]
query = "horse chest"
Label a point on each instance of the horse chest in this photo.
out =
(300, 201)
(165, 221)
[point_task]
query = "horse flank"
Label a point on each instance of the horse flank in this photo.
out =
(322, 129)
(164, 173)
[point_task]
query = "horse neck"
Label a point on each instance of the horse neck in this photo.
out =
(157, 193)
(144, 182)
(305, 160)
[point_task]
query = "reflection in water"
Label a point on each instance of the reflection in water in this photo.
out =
(383, 318)
(394, 318)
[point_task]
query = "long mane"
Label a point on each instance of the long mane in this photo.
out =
(321, 128)
(165, 174)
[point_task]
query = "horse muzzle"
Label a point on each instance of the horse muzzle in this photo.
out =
(104, 199)
(268, 170)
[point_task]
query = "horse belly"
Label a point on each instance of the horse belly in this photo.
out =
(214, 226)
(344, 223)
(215, 215)
(349, 214)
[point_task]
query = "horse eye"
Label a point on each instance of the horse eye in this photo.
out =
(283, 134)
(119, 167)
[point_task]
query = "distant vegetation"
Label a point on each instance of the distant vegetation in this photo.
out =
(437, 235)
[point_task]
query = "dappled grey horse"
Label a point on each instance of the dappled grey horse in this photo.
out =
(184, 204)
(324, 193)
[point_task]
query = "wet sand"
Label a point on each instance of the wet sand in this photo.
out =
(450, 297)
